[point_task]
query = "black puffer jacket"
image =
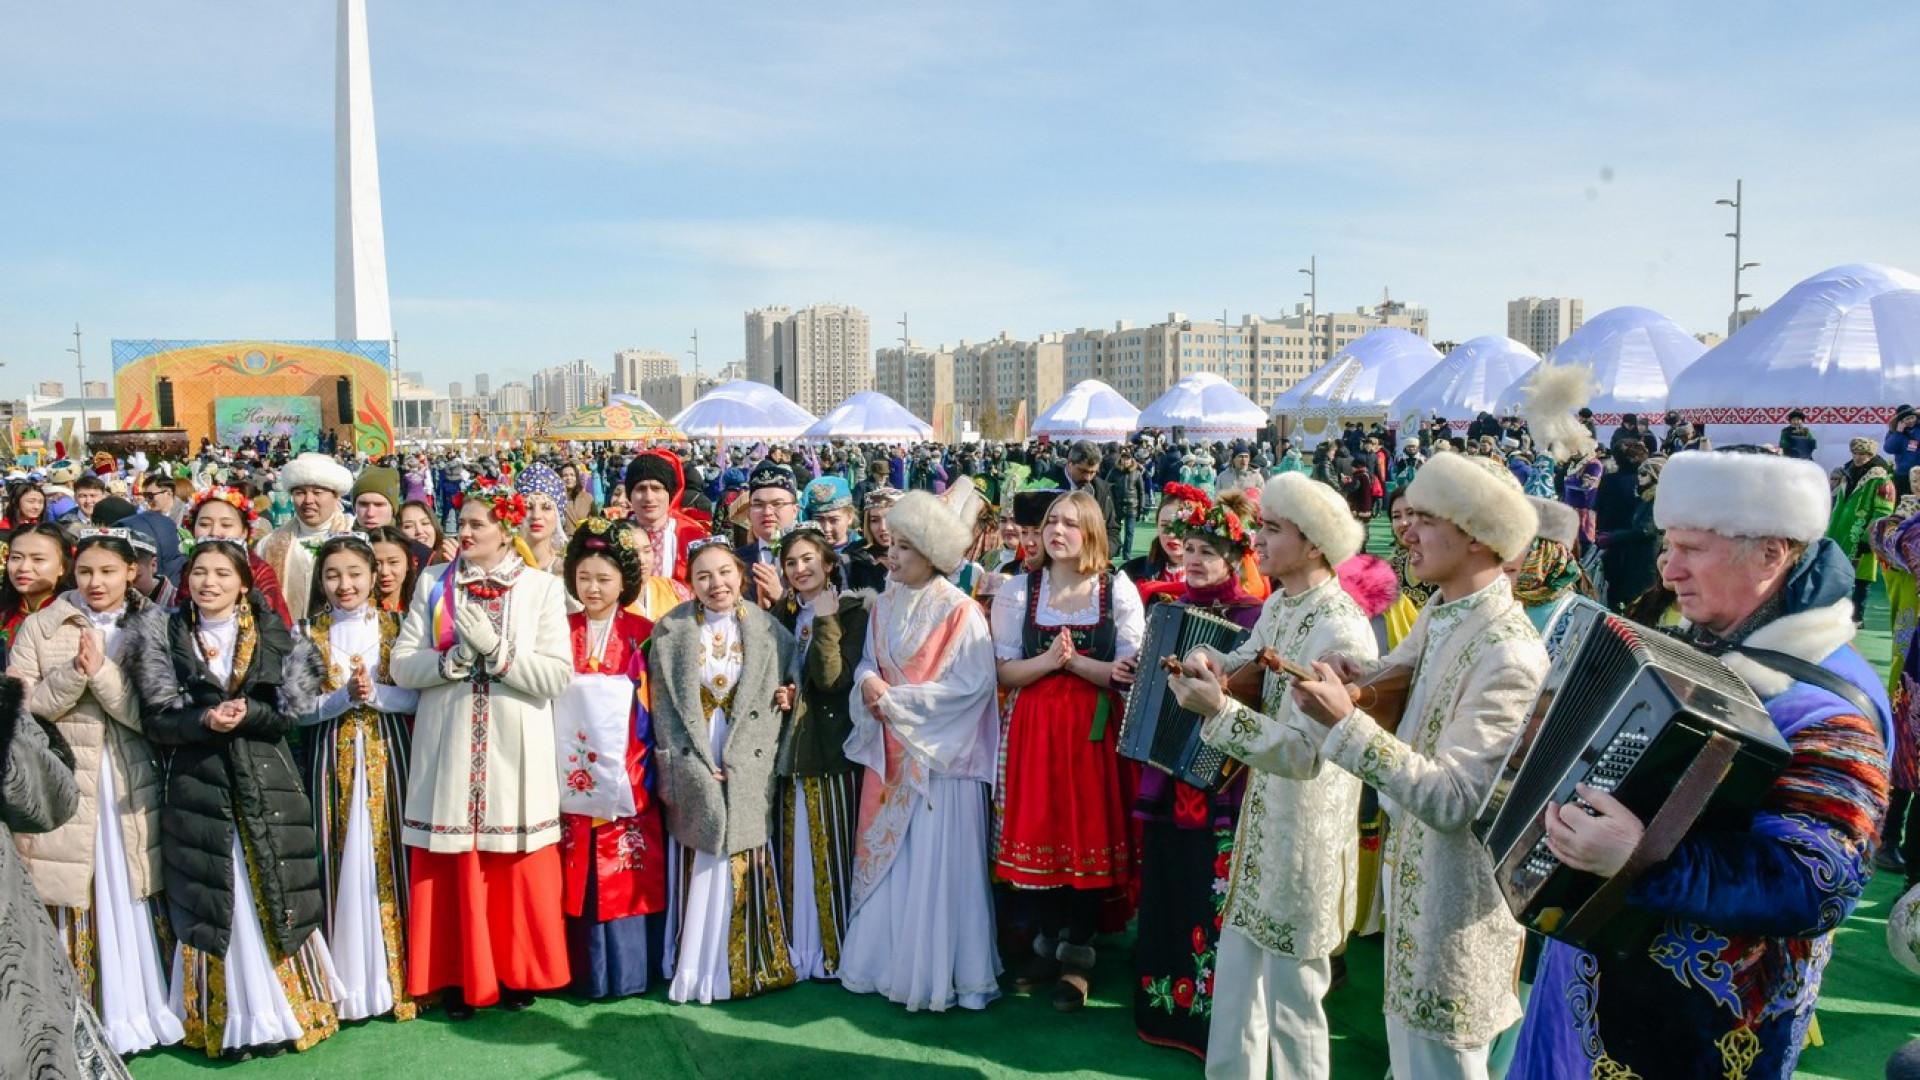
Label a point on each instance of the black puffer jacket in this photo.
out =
(246, 774)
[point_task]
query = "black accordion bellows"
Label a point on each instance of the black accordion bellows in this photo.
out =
(1631, 712)
(1155, 730)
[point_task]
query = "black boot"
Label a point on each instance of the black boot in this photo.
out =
(458, 1010)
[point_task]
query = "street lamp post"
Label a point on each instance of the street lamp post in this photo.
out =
(1312, 270)
(1733, 320)
(80, 370)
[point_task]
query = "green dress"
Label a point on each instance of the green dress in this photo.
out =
(1870, 500)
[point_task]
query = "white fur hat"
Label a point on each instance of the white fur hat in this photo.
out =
(1320, 513)
(1743, 494)
(1481, 497)
(316, 470)
(924, 521)
(1558, 521)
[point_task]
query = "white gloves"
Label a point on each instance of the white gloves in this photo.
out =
(476, 630)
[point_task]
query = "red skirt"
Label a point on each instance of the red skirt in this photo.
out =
(1067, 796)
(480, 920)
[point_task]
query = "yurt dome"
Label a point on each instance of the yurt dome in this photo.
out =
(1204, 404)
(1635, 353)
(1091, 410)
(1843, 346)
(1466, 382)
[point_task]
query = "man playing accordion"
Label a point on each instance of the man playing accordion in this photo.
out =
(1727, 986)
(1291, 897)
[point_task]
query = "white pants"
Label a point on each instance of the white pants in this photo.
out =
(1417, 1057)
(1268, 1014)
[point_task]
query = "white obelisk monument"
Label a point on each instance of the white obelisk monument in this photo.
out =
(361, 309)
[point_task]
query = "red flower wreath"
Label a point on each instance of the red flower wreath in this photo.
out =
(508, 507)
(1217, 524)
(1186, 493)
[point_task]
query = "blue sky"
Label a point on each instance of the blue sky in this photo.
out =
(563, 179)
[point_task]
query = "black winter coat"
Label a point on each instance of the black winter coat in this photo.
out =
(815, 739)
(245, 775)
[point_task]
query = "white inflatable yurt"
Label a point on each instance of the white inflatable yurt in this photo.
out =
(1204, 405)
(1842, 346)
(1361, 382)
(1466, 382)
(870, 416)
(1635, 353)
(743, 410)
(1091, 410)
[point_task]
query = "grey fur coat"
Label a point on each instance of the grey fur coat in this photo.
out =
(703, 812)
(37, 987)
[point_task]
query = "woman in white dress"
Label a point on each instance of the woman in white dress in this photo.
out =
(926, 729)
(359, 780)
(99, 874)
(719, 704)
(221, 683)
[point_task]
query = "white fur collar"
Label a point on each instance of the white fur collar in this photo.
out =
(1810, 635)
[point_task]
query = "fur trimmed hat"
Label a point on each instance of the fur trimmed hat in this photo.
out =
(1743, 494)
(1319, 512)
(925, 522)
(1481, 497)
(316, 470)
(1558, 521)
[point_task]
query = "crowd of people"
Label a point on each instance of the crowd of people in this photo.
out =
(291, 740)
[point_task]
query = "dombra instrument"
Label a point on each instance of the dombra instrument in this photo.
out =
(1156, 731)
(1671, 732)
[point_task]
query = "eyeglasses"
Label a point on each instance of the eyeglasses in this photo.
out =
(761, 506)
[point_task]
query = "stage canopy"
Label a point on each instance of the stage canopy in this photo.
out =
(1204, 404)
(1091, 410)
(1466, 382)
(871, 416)
(1842, 346)
(1360, 383)
(624, 418)
(743, 410)
(1635, 353)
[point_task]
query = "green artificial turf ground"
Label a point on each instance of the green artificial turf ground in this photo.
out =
(1869, 1006)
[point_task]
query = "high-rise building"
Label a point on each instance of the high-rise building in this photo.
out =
(560, 390)
(483, 385)
(633, 367)
(827, 357)
(1542, 323)
(50, 389)
(453, 391)
(766, 343)
(513, 397)
(915, 377)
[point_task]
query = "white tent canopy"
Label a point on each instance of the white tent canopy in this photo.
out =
(743, 410)
(1635, 353)
(871, 416)
(1466, 382)
(1204, 404)
(1362, 382)
(1091, 410)
(1842, 346)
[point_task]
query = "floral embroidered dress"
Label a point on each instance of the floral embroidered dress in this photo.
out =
(358, 784)
(615, 870)
(1186, 841)
(1451, 942)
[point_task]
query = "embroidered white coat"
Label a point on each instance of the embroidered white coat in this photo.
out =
(1297, 848)
(485, 778)
(1452, 945)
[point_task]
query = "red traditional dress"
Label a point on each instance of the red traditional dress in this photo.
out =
(615, 870)
(1068, 794)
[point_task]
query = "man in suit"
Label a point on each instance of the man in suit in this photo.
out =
(1082, 470)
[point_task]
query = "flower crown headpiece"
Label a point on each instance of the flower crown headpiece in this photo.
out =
(232, 496)
(1217, 525)
(1186, 493)
(508, 506)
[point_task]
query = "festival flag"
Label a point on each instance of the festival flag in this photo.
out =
(1020, 422)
